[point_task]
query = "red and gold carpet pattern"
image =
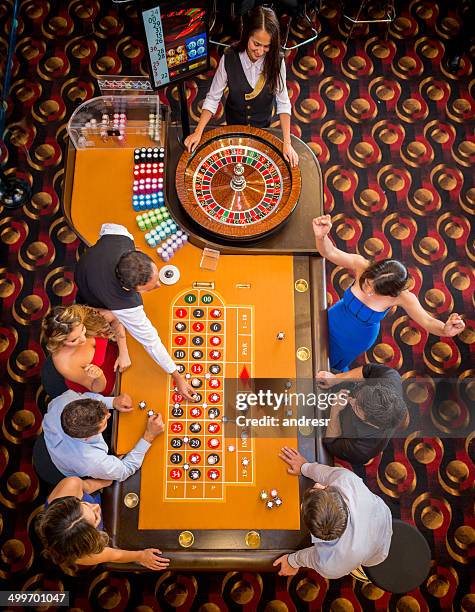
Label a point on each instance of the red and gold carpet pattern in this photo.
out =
(394, 134)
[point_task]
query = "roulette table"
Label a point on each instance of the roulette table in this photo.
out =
(259, 316)
(237, 184)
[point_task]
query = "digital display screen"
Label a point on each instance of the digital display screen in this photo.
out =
(177, 39)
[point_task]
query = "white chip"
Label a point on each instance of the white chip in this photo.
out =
(231, 448)
(186, 466)
(186, 440)
(169, 275)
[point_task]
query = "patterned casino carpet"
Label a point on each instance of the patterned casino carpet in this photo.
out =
(394, 134)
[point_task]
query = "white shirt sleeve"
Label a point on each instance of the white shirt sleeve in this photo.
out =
(215, 93)
(112, 468)
(114, 228)
(282, 95)
(140, 327)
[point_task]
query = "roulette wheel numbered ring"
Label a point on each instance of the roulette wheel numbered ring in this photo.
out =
(236, 184)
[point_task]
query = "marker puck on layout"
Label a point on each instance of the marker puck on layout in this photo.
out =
(169, 275)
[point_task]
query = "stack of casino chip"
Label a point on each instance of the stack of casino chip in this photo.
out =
(162, 231)
(148, 178)
(150, 219)
(168, 248)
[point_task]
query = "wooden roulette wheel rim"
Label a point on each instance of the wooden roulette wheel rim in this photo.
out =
(238, 202)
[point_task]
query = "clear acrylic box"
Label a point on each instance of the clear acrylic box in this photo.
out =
(110, 122)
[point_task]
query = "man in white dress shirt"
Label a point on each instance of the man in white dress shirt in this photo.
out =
(350, 526)
(112, 274)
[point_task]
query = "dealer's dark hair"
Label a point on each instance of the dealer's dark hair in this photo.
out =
(81, 418)
(382, 405)
(389, 277)
(66, 535)
(325, 513)
(133, 269)
(264, 18)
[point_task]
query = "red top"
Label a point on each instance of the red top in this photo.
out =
(105, 355)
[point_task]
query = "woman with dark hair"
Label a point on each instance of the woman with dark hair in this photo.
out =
(354, 321)
(87, 347)
(254, 72)
(71, 529)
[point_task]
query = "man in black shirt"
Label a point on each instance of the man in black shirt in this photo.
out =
(362, 428)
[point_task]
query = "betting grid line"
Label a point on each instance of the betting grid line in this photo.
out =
(239, 362)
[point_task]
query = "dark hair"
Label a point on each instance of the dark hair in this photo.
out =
(81, 418)
(324, 513)
(66, 535)
(133, 269)
(389, 277)
(264, 18)
(382, 405)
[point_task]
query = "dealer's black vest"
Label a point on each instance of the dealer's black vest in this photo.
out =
(255, 111)
(95, 276)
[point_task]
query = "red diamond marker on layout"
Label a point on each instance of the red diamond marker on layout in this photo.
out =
(244, 374)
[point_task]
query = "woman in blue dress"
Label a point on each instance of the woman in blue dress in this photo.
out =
(354, 321)
(71, 529)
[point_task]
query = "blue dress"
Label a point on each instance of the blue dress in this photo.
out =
(353, 328)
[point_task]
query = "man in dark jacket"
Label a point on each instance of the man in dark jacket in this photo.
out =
(362, 428)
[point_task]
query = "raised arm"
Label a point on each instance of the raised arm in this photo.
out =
(412, 306)
(321, 229)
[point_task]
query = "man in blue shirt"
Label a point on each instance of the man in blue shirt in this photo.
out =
(73, 429)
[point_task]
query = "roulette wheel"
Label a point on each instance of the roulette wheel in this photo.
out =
(237, 184)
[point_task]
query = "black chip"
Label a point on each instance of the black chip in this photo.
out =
(215, 369)
(194, 442)
(195, 427)
(198, 313)
(176, 443)
(176, 458)
(180, 367)
(197, 340)
(179, 354)
(194, 474)
(196, 354)
(180, 326)
(177, 412)
(213, 413)
(215, 327)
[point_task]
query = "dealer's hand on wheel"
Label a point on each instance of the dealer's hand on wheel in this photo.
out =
(285, 568)
(293, 458)
(150, 557)
(192, 141)
(290, 154)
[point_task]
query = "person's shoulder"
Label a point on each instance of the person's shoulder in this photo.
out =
(379, 370)
(65, 398)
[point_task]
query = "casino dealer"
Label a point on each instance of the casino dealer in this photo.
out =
(254, 72)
